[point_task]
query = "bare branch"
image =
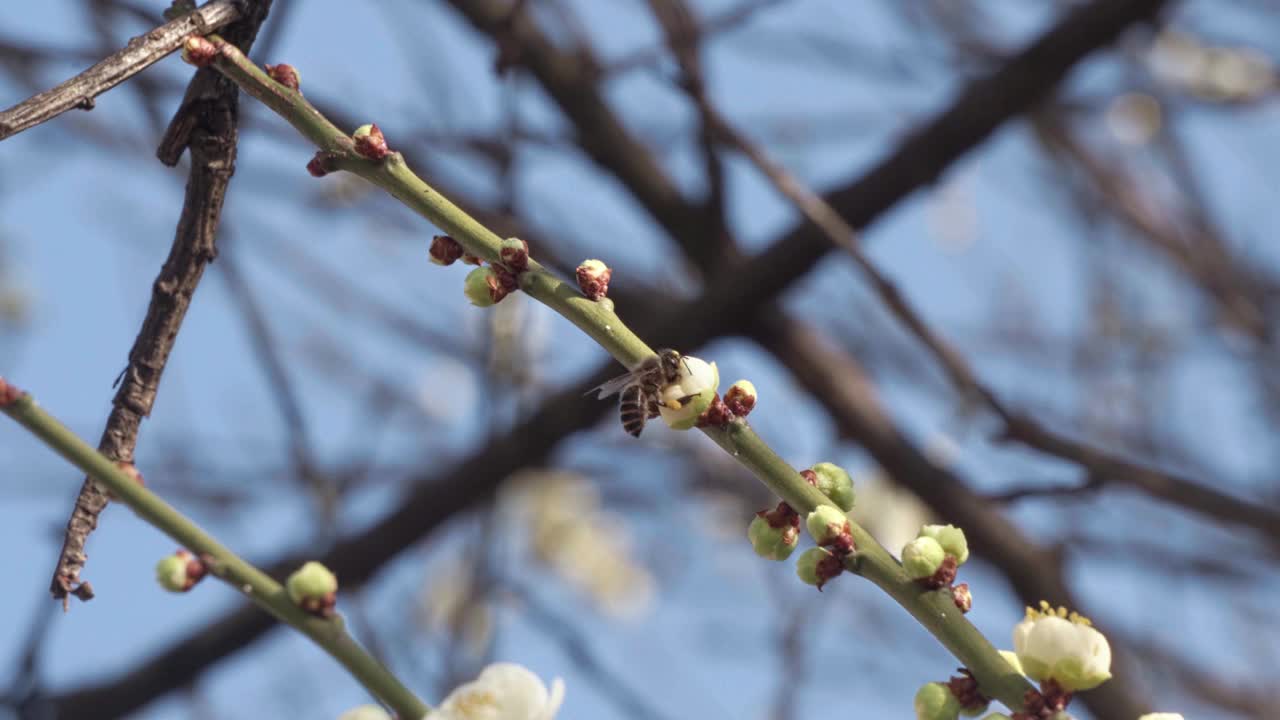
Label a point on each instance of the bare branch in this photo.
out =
(211, 133)
(138, 55)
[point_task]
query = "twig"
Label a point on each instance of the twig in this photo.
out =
(208, 121)
(934, 610)
(840, 385)
(256, 585)
(140, 53)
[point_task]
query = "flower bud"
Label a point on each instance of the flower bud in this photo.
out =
(716, 415)
(817, 566)
(322, 164)
(483, 287)
(286, 75)
(835, 483)
(922, 557)
(951, 538)
(593, 278)
(445, 250)
(179, 572)
(370, 142)
(934, 701)
(690, 395)
(313, 588)
(740, 398)
(199, 51)
(769, 542)
(826, 524)
(514, 253)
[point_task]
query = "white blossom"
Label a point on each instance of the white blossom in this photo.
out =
(504, 691)
(1054, 645)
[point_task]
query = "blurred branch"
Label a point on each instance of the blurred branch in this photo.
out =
(209, 118)
(688, 36)
(1196, 251)
(1169, 487)
(139, 54)
(570, 79)
(267, 351)
(1017, 427)
(632, 703)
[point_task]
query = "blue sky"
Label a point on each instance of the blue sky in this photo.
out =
(83, 230)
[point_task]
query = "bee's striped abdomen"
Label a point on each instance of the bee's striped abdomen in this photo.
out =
(631, 408)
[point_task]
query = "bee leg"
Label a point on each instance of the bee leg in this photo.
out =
(651, 408)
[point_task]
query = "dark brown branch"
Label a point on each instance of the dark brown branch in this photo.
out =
(209, 120)
(138, 55)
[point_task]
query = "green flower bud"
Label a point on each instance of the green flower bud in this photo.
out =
(772, 543)
(951, 538)
(482, 287)
(934, 701)
(835, 483)
(922, 557)
(313, 588)
(180, 571)
(816, 566)
(826, 524)
(171, 573)
(691, 394)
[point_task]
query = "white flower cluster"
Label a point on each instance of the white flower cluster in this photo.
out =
(571, 533)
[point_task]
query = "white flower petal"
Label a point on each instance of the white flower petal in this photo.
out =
(504, 691)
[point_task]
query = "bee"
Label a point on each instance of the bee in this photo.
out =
(641, 389)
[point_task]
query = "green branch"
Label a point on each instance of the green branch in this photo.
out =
(934, 609)
(222, 562)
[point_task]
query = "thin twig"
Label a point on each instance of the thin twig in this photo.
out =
(208, 121)
(138, 55)
(221, 562)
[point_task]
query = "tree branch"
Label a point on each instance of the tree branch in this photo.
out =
(138, 55)
(209, 118)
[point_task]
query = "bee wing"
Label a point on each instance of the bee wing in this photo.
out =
(612, 387)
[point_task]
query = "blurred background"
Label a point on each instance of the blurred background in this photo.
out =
(1103, 261)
